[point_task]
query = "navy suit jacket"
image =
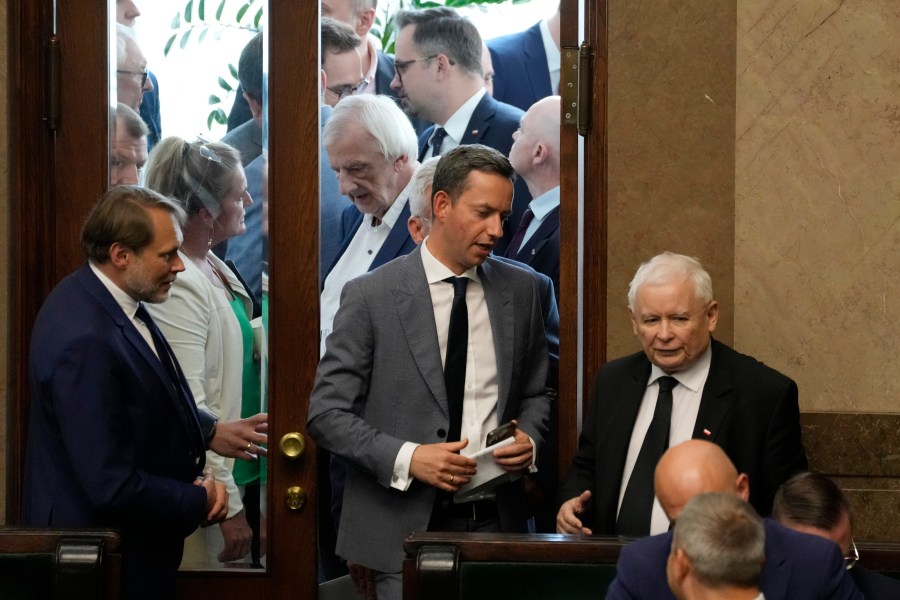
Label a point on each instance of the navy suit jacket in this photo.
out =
(541, 250)
(798, 567)
(398, 241)
(747, 408)
(521, 74)
(111, 443)
(492, 124)
(875, 585)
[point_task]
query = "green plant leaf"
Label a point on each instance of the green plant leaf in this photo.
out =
(213, 99)
(187, 11)
(176, 21)
(241, 11)
(233, 70)
(201, 10)
(220, 10)
(169, 43)
(221, 117)
(209, 120)
(225, 85)
(202, 36)
(258, 18)
(184, 38)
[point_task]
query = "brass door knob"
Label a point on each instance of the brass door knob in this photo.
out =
(295, 497)
(292, 445)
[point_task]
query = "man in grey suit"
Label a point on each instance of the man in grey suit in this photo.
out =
(398, 364)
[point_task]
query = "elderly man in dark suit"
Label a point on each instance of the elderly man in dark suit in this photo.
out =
(798, 566)
(439, 78)
(115, 438)
(683, 385)
(429, 354)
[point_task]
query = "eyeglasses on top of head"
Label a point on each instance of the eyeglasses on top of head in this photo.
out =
(143, 74)
(348, 90)
(853, 558)
(207, 153)
(400, 66)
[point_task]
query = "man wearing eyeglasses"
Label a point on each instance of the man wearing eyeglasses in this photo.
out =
(341, 62)
(439, 78)
(814, 504)
(798, 566)
(133, 79)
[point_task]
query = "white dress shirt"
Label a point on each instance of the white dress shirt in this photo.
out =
(553, 57)
(685, 406)
(540, 208)
(356, 260)
(457, 123)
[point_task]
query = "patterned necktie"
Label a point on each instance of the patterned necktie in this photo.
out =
(455, 360)
(437, 140)
(637, 503)
(516, 244)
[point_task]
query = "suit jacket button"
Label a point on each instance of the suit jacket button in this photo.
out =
(441, 433)
(196, 460)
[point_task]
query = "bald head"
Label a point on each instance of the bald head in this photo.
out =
(535, 150)
(696, 467)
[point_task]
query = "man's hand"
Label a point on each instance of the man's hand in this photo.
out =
(363, 578)
(216, 499)
(567, 520)
(237, 534)
(241, 438)
(441, 466)
(516, 456)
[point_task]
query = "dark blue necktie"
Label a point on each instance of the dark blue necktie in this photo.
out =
(637, 503)
(437, 140)
(516, 244)
(455, 359)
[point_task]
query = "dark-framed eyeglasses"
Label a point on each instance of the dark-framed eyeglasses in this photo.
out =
(143, 74)
(400, 66)
(343, 91)
(853, 558)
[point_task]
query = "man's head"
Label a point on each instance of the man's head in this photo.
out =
(341, 61)
(471, 198)
(487, 69)
(535, 150)
(437, 62)
(126, 12)
(372, 149)
(695, 467)
(132, 234)
(718, 546)
(250, 74)
(419, 223)
(132, 77)
(813, 503)
(359, 14)
(128, 153)
(672, 310)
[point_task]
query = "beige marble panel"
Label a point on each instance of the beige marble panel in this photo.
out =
(817, 197)
(671, 146)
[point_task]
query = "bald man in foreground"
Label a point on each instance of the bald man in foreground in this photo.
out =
(798, 566)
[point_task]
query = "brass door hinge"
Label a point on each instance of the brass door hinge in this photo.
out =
(51, 86)
(575, 86)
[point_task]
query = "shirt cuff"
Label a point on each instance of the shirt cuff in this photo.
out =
(532, 468)
(400, 478)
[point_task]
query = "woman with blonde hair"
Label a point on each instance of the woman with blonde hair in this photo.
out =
(207, 319)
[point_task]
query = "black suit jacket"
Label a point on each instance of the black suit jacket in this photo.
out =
(541, 250)
(492, 124)
(110, 441)
(749, 409)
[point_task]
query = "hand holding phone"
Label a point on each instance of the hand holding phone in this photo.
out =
(500, 433)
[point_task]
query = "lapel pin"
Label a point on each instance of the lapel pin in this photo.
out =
(707, 432)
(474, 132)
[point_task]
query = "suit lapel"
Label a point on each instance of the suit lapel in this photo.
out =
(416, 314)
(498, 297)
(777, 573)
(480, 120)
(396, 239)
(549, 225)
(716, 399)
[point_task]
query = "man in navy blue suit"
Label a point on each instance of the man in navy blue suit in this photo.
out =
(535, 157)
(526, 64)
(115, 438)
(371, 148)
(439, 78)
(798, 566)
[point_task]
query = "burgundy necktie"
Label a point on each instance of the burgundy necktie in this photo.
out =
(516, 244)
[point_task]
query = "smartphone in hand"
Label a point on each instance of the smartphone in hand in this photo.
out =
(501, 433)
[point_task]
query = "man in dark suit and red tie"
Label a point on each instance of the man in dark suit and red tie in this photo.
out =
(683, 385)
(115, 439)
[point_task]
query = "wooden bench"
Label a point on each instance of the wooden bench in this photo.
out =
(59, 564)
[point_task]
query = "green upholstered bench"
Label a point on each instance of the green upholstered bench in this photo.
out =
(39, 564)
(478, 566)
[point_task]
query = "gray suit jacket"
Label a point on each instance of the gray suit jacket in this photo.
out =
(381, 383)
